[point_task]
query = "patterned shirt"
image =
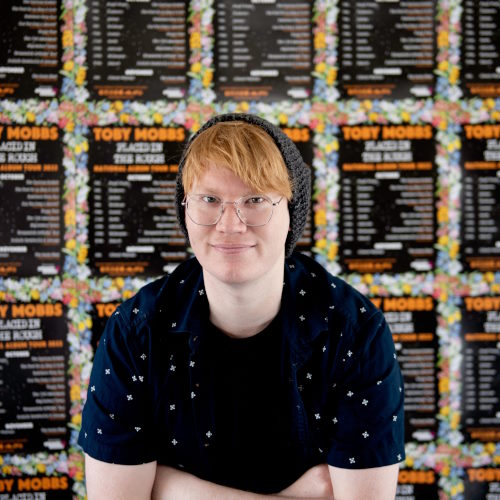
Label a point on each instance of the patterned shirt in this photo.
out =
(150, 395)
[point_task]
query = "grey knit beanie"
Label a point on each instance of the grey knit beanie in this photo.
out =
(299, 172)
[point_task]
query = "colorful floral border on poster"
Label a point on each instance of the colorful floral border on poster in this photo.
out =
(201, 42)
(325, 14)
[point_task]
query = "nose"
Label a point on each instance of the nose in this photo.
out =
(229, 221)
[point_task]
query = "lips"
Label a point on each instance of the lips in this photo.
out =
(229, 249)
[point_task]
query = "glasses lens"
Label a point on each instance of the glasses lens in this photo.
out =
(255, 210)
(203, 209)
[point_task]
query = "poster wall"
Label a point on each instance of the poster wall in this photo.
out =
(395, 106)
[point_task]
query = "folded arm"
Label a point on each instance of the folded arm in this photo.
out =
(377, 483)
(149, 481)
(118, 482)
(319, 482)
(171, 483)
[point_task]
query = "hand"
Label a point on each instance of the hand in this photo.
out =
(314, 483)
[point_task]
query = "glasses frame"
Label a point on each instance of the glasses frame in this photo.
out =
(185, 202)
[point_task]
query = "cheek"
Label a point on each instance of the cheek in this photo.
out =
(193, 231)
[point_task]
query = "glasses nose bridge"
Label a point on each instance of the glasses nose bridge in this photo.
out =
(236, 209)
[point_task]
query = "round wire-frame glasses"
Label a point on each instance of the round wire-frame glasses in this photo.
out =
(206, 210)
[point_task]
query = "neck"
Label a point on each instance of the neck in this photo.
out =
(243, 310)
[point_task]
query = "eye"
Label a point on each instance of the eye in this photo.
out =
(209, 200)
(255, 200)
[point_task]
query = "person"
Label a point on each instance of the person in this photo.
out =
(249, 371)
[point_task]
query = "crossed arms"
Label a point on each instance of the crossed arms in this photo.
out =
(151, 481)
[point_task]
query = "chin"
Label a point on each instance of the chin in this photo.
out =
(234, 273)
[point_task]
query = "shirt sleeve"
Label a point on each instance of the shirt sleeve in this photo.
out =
(365, 402)
(115, 420)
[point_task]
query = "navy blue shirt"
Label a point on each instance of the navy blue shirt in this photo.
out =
(151, 393)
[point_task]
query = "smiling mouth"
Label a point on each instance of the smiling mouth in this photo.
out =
(232, 249)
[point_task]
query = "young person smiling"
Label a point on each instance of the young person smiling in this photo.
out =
(249, 371)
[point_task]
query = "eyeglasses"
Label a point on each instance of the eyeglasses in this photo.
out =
(206, 210)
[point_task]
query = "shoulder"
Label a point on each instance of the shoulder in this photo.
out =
(345, 305)
(159, 296)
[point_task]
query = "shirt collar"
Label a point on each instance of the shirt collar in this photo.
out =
(304, 313)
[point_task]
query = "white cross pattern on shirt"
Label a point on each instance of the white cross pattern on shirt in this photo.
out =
(135, 310)
(350, 393)
(365, 434)
(129, 397)
(352, 460)
(107, 371)
(302, 292)
(364, 402)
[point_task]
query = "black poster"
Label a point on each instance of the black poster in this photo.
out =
(31, 188)
(480, 49)
(413, 325)
(34, 401)
(36, 488)
(481, 197)
(263, 49)
(137, 49)
(133, 225)
(387, 207)
(483, 482)
(386, 49)
(415, 484)
(480, 373)
(302, 138)
(31, 49)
